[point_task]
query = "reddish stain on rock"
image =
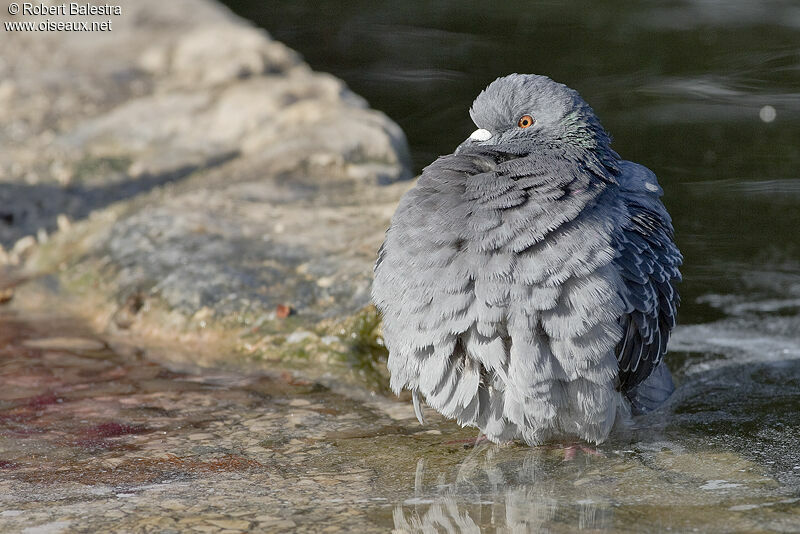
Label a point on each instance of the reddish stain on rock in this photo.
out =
(23, 432)
(282, 311)
(5, 464)
(6, 294)
(97, 437)
(292, 380)
(40, 401)
(113, 430)
(16, 416)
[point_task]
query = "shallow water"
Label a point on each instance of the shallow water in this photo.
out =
(94, 437)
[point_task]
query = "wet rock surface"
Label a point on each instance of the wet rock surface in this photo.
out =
(94, 437)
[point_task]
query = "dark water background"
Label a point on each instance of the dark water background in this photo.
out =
(682, 87)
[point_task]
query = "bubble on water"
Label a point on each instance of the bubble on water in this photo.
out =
(767, 113)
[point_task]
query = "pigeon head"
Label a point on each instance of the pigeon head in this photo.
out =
(519, 110)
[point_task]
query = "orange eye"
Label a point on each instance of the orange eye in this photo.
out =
(525, 121)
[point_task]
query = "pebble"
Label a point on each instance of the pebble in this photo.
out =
(232, 524)
(298, 337)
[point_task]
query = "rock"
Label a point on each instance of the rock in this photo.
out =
(299, 336)
(6, 294)
(282, 311)
(23, 245)
(65, 343)
(190, 165)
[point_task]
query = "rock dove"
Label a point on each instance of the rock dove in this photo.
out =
(527, 281)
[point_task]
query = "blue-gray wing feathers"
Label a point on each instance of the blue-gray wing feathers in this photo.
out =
(648, 261)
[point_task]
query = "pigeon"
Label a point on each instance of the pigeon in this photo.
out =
(527, 282)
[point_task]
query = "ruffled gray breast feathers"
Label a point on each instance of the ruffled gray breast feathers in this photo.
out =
(528, 295)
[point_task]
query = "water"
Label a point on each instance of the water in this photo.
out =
(95, 437)
(682, 87)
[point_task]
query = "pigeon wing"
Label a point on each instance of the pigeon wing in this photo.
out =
(648, 262)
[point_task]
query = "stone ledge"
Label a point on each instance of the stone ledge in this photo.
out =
(187, 166)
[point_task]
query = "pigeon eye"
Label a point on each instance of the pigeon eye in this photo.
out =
(525, 121)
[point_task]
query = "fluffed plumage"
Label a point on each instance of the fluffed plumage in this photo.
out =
(527, 282)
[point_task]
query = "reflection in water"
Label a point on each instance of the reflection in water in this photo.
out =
(488, 488)
(726, 443)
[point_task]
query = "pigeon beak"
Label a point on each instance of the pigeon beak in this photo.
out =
(481, 135)
(478, 135)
